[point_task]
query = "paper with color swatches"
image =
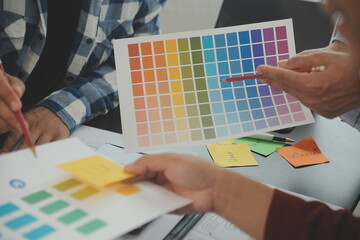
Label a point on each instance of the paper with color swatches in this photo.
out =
(303, 153)
(41, 201)
(171, 93)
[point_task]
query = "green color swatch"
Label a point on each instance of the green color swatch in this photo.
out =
(92, 226)
(186, 72)
(194, 123)
(209, 133)
(197, 57)
(190, 98)
(72, 216)
(203, 97)
(196, 135)
(195, 43)
(188, 85)
(199, 71)
(200, 84)
(183, 44)
(185, 58)
(207, 121)
(54, 207)
(205, 109)
(36, 197)
(192, 111)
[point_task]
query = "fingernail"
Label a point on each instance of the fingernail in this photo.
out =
(14, 105)
(18, 90)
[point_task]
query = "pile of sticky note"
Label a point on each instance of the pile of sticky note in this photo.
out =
(236, 152)
(96, 171)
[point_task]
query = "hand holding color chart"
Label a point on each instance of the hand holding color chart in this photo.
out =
(171, 93)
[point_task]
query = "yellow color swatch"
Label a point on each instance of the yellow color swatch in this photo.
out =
(176, 86)
(174, 73)
(232, 155)
(128, 189)
(96, 171)
(171, 46)
(178, 99)
(173, 60)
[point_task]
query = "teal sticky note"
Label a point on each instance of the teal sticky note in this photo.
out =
(262, 147)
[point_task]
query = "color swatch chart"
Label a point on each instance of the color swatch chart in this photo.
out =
(171, 93)
(56, 212)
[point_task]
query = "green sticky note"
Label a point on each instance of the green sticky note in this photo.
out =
(262, 147)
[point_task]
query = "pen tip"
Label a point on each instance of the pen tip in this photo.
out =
(290, 140)
(34, 152)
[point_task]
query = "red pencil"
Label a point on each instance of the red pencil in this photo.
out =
(21, 119)
(255, 76)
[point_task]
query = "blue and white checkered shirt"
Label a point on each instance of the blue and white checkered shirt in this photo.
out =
(89, 87)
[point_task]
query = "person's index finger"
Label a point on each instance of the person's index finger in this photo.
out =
(283, 76)
(315, 59)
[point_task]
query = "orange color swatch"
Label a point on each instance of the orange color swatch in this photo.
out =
(305, 152)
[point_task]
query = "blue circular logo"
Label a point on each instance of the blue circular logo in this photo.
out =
(17, 183)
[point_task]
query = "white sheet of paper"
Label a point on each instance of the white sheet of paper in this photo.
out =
(21, 174)
(161, 109)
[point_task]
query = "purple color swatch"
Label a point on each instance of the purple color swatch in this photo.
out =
(283, 47)
(268, 34)
(267, 102)
(284, 57)
(273, 122)
(286, 119)
(295, 107)
(270, 112)
(281, 33)
(275, 91)
(299, 117)
(271, 61)
(279, 99)
(270, 48)
(282, 110)
(291, 98)
(264, 90)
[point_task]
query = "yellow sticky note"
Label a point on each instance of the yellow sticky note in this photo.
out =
(232, 155)
(227, 142)
(96, 171)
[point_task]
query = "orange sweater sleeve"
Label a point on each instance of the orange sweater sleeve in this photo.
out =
(293, 218)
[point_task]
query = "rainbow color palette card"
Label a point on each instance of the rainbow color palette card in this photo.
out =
(41, 201)
(172, 94)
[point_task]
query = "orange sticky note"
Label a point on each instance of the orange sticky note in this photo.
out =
(305, 152)
(96, 171)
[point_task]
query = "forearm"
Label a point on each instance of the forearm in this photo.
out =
(243, 202)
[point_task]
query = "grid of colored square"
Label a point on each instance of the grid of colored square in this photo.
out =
(179, 97)
(17, 220)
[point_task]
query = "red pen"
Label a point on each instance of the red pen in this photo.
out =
(24, 128)
(255, 76)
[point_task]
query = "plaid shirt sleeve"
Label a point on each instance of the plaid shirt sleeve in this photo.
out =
(94, 92)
